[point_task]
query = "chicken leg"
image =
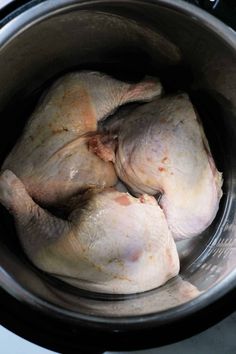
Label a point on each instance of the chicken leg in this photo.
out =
(162, 149)
(52, 157)
(113, 243)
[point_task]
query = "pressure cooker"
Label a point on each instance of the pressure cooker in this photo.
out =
(190, 49)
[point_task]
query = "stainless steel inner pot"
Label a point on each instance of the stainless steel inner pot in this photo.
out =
(189, 50)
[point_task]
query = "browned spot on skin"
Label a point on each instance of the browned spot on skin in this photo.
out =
(134, 256)
(97, 267)
(165, 159)
(149, 159)
(161, 169)
(86, 109)
(109, 189)
(117, 261)
(143, 199)
(172, 173)
(123, 200)
(120, 277)
(77, 102)
(151, 258)
(59, 130)
(104, 150)
(162, 120)
(169, 257)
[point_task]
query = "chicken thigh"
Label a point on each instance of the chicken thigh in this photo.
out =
(162, 149)
(52, 156)
(113, 243)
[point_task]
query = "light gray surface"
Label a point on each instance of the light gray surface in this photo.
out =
(4, 3)
(13, 344)
(220, 339)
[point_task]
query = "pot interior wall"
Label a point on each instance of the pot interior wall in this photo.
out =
(128, 42)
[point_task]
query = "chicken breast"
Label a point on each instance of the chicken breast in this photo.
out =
(162, 149)
(113, 243)
(52, 156)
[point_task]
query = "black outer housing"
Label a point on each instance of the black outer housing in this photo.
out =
(225, 10)
(54, 334)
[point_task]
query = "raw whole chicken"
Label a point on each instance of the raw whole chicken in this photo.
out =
(112, 243)
(162, 149)
(52, 157)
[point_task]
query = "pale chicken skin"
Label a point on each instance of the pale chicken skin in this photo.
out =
(113, 243)
(162, 149)
(52, 157)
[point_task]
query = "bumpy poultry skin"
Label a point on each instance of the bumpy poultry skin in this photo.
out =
(114, 243)
(52, 156)
(162, 148)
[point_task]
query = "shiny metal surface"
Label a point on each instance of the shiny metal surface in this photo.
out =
(189, 50)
